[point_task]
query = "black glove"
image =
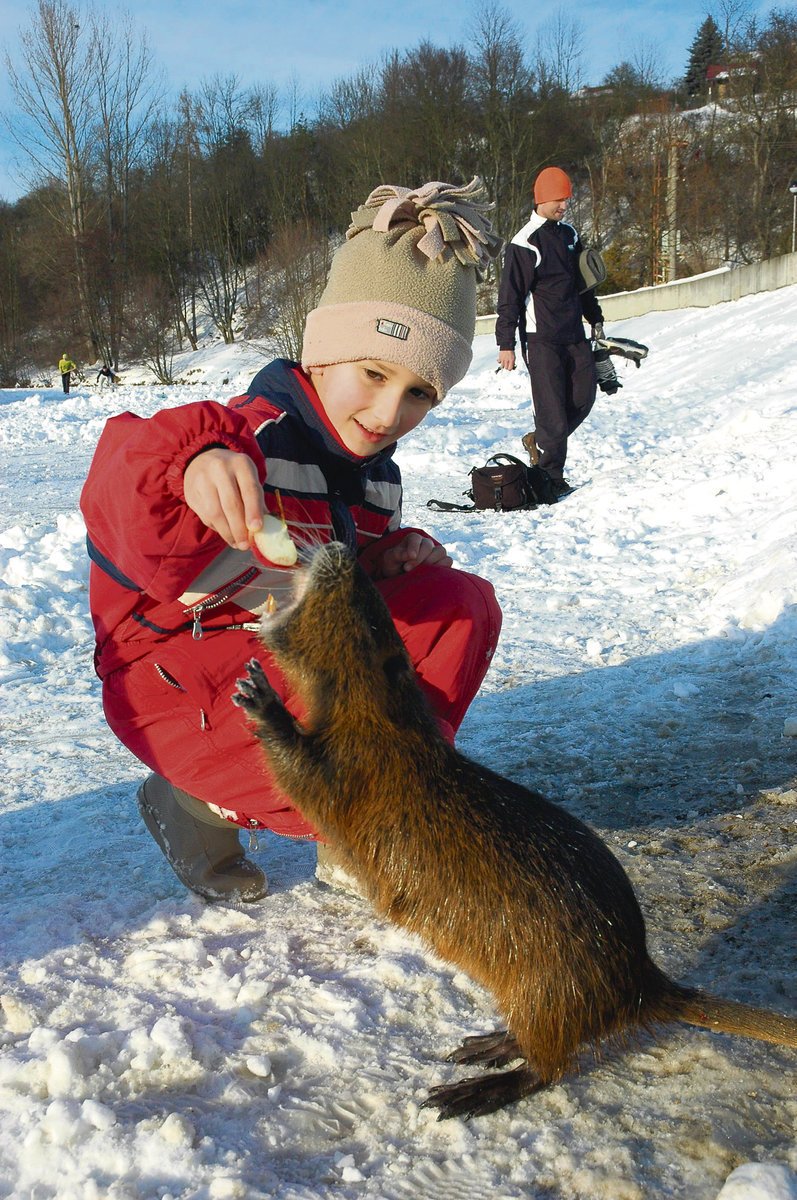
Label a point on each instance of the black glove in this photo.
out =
(597, 331)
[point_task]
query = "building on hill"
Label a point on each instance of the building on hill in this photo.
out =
(722, 81)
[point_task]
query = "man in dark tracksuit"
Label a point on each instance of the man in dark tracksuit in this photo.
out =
(539, 296)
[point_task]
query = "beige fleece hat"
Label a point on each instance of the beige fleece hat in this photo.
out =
(402, 287)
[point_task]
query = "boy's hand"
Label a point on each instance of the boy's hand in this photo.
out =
(222, 488)
(409, 553)
(506, 360)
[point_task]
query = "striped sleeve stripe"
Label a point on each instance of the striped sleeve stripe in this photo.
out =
(289, 476)
(382, 494)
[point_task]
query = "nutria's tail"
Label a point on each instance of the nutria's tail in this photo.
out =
(670, 1001)
(728, 1016)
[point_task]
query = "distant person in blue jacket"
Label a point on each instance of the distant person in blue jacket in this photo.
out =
(107, 374)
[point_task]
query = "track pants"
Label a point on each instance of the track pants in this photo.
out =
(563, 384)
(172, 708)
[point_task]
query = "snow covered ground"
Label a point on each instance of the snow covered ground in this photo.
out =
(154, 1046)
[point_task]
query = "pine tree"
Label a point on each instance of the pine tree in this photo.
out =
(707, 50)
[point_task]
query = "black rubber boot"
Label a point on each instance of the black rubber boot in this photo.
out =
(202, 849)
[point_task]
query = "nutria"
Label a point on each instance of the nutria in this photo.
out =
(498, 880)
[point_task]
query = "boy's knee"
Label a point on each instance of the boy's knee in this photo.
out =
(438, 589)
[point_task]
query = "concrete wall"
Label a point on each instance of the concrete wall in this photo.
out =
(700, 291)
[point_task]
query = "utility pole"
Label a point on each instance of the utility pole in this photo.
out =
(672, 210)
(793, 190)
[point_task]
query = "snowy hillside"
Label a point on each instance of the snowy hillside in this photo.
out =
(152, 1046)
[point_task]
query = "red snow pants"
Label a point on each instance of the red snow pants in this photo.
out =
(172, 708)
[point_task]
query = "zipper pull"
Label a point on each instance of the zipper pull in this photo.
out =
(196, 632)
(253, 843)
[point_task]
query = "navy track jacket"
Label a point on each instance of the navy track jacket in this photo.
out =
(539, 290)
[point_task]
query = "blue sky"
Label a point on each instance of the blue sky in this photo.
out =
(316, 41)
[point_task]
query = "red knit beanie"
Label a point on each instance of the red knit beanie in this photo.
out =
(552, 184)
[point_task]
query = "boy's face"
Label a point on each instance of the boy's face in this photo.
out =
(371, 403)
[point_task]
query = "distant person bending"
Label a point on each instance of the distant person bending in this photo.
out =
(539, 299)
(105, 372)
(171, 501)
(66, 366)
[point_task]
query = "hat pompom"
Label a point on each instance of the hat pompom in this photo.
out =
(453, 215)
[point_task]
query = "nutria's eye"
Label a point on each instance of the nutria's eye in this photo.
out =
(394, 667)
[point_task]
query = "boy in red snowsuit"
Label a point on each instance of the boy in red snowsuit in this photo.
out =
(171, 502)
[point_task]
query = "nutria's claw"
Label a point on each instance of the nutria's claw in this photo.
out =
(482, 1094)
(254, 688)
(489, 1049)
(243, 695)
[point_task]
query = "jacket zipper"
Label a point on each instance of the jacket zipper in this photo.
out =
(217, 599)
(254, 827)
(167, 678)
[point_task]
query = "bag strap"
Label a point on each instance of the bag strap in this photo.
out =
(501, 460)
(445, 506)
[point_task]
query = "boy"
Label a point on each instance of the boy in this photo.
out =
(171, 502)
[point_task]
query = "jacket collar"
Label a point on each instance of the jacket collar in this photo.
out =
(522, 236)
(535, 222)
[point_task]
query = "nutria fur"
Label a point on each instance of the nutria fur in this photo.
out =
(498, 880)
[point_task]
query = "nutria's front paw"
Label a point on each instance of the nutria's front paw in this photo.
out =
(254, 692)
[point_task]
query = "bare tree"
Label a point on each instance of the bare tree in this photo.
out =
(56, 96)
(10, 306)
(223, 108)
(733, 18)
(559, 54)
(225, 198)
(646, 62)
(187, 294)
(295, 102)
(762, 100)
(299, 257)
(151, 337)
(264, 111)
(352, 125)
(502, 84)
(127, 94)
